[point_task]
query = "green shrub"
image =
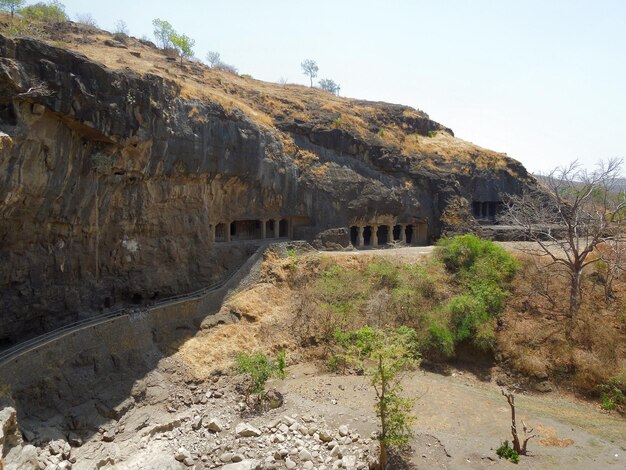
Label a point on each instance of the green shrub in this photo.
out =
(612, 397)
(440, 339)
(484, 271)
(384, 273)
(356, 344)
(53, 11)
(505, 451)
(467, 313)
(460, 255)
(334, 362)
(281, 364)
(259, 369)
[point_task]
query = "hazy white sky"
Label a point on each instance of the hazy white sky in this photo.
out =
(542, 80)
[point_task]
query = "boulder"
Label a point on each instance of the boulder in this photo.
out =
(247, 430)
(10, 435)
(215, 425)
(248, 464)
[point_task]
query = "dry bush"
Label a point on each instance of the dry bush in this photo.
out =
(534, 339)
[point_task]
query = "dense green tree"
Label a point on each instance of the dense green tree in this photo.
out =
(183, 45)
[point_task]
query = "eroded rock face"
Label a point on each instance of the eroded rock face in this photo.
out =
(110, 184)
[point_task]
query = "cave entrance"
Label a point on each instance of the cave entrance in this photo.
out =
(8, 116)
(283, 228)
(383, 234)
(486, 209)
(409, 234)
(247, 229)
(367, 236)
(397, 232)
(220, 232)
(354, 235)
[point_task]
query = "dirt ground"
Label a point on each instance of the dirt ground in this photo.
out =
(462, 420)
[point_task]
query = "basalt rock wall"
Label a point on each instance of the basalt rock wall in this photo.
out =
(110, 182)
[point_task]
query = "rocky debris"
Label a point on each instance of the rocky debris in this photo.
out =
(113, 43)
(248, 464)
(58, 455)
(247, 430)
(206, 432)
(9, 433)
(215, 425)
(544, 387)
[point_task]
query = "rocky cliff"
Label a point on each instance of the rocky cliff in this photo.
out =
(117, 165)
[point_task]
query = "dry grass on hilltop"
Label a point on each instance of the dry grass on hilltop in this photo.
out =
(269, 104)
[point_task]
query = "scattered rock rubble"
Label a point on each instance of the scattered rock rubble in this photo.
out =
(198, 426)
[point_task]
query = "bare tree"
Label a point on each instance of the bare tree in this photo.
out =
(213, 58)
(612, 253)
(519, 446)
(87, 20)
(121, 27)
(310, 69)
(568, 216)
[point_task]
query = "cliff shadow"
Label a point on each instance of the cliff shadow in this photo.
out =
(83, 383)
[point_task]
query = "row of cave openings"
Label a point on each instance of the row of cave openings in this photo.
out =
(252, 230)
(375, 235)
(486, 210)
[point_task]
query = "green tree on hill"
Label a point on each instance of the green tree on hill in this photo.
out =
(11, 5)
(53, 11)
(163, 31)
(330, 86)
(183, 45)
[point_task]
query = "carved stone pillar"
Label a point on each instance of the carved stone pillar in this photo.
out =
(389, 234)
(276, 228)
(360, 240)
(423, 233)
(227, 231)
(263, 228)
(374, 236)
(403, 233)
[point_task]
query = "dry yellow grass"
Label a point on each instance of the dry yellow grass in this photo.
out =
(264, 309)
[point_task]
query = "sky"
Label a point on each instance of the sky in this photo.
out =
(541, 80)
